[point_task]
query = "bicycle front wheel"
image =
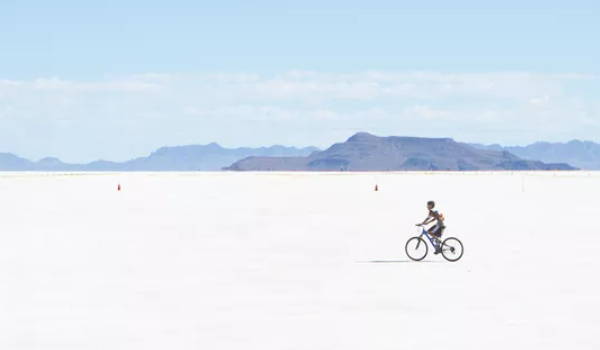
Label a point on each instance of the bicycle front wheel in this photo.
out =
(452, 249)
(416, 248)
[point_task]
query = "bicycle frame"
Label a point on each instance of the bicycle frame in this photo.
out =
(431, 239)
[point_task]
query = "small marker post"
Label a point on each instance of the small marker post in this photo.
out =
(119, 187)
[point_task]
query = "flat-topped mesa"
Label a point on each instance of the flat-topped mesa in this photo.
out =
(367, 137)
(367, 152)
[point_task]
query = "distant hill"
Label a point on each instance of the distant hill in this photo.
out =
(11, 162)
(180, 158)
(366, 152)
(582, 154)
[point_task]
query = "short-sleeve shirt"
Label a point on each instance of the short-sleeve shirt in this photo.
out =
(438, 218)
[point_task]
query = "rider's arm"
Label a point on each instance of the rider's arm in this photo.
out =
(427, 220)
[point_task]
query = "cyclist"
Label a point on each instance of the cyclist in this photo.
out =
(436, 230)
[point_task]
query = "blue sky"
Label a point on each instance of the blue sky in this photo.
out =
(116, 79)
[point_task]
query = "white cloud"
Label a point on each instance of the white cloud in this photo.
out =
(132, 84)
(136, 113)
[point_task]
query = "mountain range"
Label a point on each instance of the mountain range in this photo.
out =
(366, 152)
(361, 152)
(209, 157)
(581, 154)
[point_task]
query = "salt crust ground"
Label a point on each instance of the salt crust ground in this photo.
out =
(297, 261)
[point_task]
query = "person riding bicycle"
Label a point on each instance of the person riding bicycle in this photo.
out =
(436, 230)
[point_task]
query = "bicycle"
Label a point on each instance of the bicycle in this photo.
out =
(416, 248)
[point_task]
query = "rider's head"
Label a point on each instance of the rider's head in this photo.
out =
(430, 205)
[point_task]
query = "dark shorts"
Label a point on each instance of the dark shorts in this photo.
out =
(436, 230)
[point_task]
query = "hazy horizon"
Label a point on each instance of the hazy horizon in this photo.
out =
(123, 159)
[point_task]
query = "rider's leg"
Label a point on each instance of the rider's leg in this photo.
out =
(432, 230)
(436, 233)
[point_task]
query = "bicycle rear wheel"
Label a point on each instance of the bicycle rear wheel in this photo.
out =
(452, 249)
(416, 248)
